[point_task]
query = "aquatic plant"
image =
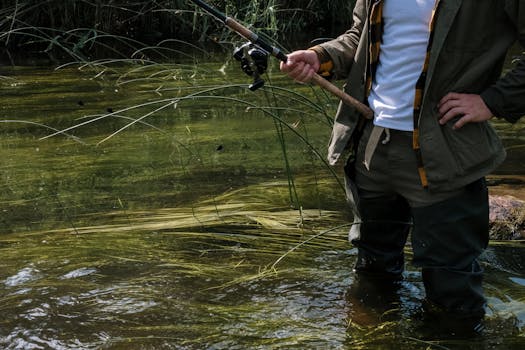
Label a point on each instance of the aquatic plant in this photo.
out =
(290, 121)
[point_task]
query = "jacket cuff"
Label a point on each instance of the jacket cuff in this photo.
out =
(494, 101)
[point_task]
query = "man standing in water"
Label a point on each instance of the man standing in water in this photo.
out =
(431, 72)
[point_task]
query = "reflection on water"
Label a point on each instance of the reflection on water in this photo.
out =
(188, 233)
(25, 275)
(520, 281)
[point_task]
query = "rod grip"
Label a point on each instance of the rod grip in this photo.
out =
(349, 100)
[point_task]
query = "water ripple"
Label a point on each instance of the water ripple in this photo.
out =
(84, 271)
(27, 274)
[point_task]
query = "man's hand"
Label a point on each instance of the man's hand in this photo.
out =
(468, 107)
(301, 65)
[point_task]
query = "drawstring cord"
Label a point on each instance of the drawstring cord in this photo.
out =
(387, 137)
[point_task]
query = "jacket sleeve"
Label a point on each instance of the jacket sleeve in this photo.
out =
(506, 98)
(341, 50)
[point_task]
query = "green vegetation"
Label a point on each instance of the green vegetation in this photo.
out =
(85, 30)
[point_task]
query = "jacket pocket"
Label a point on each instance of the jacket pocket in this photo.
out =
(472, 145)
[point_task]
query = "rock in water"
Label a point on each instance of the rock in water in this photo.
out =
(507, 218)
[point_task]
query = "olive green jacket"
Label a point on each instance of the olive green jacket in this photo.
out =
(470, 43)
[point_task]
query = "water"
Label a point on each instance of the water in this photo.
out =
(184, 233)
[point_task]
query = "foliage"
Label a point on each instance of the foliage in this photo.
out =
(88, 29)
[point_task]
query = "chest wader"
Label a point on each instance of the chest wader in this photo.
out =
(447, 239)
(385, 223)
(380, 239)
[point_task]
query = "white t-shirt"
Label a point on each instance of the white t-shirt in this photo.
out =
(403, 51)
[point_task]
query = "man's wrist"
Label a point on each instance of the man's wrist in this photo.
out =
(326, 65)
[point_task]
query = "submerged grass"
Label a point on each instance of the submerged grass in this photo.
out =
(247, 208)
(178, 86)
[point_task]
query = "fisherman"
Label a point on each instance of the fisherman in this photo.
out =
(431, 72)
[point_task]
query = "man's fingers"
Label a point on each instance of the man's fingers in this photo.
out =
(302, 72)
(466, 108)
(455, 113)
(462, 121)
(447, 106)
(449, 97)
(298, 71)
(450, 114)
(301, 65)
(287, 66)
(452, 105)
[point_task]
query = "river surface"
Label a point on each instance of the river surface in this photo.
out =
(149, 206)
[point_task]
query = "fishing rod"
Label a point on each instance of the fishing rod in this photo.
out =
(252, 64)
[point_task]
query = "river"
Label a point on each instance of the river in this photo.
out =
(166, 206)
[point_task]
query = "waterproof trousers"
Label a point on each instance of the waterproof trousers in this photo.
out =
(448, 230)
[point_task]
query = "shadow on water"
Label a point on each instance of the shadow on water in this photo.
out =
(184, 233)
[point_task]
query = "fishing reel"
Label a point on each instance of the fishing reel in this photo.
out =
(254, 62)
